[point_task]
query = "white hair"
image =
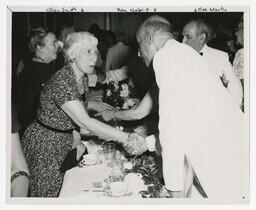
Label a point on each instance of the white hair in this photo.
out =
(155, 25)
(76, 39)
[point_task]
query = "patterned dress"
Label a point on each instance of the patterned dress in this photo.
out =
(238, 64)
(48, 139)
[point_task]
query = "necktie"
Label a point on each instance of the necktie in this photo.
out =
(201, 53)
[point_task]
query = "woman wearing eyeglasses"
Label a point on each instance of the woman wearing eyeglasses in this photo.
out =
(43, 47)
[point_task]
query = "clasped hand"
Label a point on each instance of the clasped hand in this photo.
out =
(108, 115)
(135, 145)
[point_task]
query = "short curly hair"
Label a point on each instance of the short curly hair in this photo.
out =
(36, 38)
(76, 38)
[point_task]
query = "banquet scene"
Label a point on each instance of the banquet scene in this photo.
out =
(129, 105)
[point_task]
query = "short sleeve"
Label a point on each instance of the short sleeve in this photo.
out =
(64, 90)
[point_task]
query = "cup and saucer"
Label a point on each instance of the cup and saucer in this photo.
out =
(89, 160)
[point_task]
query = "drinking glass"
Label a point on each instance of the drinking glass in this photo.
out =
(109, 151)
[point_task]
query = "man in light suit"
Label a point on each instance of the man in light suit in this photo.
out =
(195, 34)
(199, 125)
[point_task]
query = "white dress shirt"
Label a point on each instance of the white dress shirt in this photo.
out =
(198, 119)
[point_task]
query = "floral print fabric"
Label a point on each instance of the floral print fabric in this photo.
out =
(45, 149)
(238, 64)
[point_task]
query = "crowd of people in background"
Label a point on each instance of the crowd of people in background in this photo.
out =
(45, 88)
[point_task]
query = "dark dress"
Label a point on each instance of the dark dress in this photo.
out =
(48, 139)
(32, 79)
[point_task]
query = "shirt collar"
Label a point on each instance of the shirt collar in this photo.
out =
(169, 42)
(204, 49)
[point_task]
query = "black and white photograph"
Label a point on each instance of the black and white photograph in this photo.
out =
(128, 104)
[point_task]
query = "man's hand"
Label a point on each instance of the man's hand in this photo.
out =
(224, 80)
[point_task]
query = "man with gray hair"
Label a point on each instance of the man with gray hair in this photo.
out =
(195, 34)
(199, 125)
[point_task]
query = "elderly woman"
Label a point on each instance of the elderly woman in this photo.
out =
(43, 47)
(238, 63)
(62, 109)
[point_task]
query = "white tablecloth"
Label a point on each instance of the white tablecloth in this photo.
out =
(79, 183)
(79, 179)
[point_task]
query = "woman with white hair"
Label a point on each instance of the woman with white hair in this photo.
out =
(62, 111)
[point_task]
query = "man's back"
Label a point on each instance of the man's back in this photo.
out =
(199, 120)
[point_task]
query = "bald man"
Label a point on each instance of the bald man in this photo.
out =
(199, 124)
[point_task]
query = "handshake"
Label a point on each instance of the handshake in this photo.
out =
(135, 144)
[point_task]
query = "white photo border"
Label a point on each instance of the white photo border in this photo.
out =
(10, 9)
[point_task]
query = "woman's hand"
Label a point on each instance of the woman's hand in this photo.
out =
(80, 148)
(77, 143)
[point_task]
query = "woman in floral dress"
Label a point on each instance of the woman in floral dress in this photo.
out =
(61, 112)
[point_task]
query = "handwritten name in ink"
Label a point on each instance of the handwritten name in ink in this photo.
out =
(210, 9)
(65, 9)
(137, 9)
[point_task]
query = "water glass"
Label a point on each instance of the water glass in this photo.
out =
(109, 151)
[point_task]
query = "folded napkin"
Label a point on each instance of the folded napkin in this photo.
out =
(70, 160)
